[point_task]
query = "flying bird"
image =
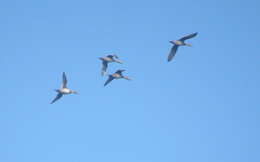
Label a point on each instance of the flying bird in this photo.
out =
(106, 60)
(177, 43)
(63, 90)
(117, 75)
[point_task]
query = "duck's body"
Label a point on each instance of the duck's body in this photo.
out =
(177, 43)
(117, 75)
(106, 60)
(63, 90)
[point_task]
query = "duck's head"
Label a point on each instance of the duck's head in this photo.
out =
(172, 42)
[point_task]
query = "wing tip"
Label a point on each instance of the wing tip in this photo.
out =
(169, 59)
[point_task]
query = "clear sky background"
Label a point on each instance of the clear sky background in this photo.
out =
(201, 107)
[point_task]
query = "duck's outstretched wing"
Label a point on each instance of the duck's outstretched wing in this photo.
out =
(116, 56)
(172, 52)
(188, 36)
(59, 95)
(110, 78)
(104, 68)
(64, 80)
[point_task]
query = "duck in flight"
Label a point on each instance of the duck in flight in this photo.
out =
(63, 90)
(106, 60)
(117, 75)
(180, 42)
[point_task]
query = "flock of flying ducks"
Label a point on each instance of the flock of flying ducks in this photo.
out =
(64, 90)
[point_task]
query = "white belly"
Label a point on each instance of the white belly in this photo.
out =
(108, 59)
(117, 76)
(179, 43)
(65, 91)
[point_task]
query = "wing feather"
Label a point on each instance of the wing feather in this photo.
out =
(64, 80)
(110, 78)
(59, 95)
(104, 68)
(188, 36)
(172, 52)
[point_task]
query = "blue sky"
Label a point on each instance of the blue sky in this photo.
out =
(203, 106)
